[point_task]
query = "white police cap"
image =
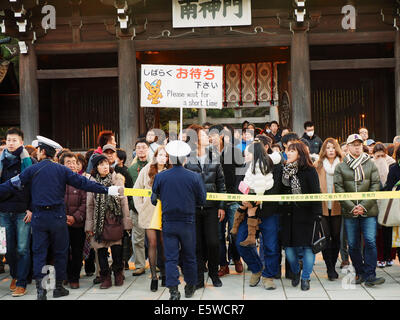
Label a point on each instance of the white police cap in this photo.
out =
(48, 142)
(35, 143)
(178, 148)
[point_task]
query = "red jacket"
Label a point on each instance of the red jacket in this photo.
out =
(75, 205)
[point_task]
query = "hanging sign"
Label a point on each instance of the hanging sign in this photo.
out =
(210, 13)
(170, 86)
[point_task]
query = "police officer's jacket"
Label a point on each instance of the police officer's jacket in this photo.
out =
(180, 191)
(48, 182)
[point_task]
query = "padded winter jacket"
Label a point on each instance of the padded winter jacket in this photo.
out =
(344, 182)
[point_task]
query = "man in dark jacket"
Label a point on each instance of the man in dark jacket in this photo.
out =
(207, 216)
(311, 139)
(14, 213)
(232, 160)
(180, 192)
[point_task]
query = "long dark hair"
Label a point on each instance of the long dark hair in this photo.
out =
(261, 157)
(304, 160)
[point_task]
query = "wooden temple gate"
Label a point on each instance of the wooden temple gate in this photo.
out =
(130, 30)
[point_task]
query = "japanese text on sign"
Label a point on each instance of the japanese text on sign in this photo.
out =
(181, 86)
(208, 13)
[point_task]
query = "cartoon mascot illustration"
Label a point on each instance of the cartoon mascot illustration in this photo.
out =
(154, 89)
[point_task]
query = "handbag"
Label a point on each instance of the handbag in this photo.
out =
(3, 240)
(156, 219)
(113, 229)
(321, 243)
(389, 211)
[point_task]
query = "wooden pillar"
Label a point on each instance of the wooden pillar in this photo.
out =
(128, 96)
(29, 95)
(397, 81)
(300, 78)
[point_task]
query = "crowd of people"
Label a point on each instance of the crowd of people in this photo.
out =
(96, 225)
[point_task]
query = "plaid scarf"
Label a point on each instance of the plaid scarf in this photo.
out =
(289, 177)
(105, 204)
(21, 152)
(356, 165)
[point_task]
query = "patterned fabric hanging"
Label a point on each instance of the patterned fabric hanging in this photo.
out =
(264, 81)
(233, 83)
(248, 82)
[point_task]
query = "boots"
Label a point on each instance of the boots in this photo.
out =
(60, 291)
(41, 293)
(252, 224)
(106, 281)
(237, 220)
(175, 294)
(119, 278)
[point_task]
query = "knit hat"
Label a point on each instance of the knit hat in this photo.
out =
(96, 159)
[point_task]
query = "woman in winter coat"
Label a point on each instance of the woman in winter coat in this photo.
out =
(299, 218)
(329, 156)
(146, 209)
(386, 254)
(106, 219)
(75, 209)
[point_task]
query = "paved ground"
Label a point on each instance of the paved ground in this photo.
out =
(235, 287)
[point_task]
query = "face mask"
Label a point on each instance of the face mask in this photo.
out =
(310, 133)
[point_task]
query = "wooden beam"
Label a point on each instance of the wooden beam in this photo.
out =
(29, 94)
(397, 81)
(351, 37)
(128, 96)
(74, 48)
(77, 73)
(300, 79)
(245, 41)
(352, 64)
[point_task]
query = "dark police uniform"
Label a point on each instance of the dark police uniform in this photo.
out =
(180, 191)
(48, 182)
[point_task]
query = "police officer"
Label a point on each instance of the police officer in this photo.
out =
(47, 181)
(180, 191)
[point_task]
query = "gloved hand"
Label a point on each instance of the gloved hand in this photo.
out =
(113, 191)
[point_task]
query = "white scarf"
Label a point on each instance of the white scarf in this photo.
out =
(330, 168)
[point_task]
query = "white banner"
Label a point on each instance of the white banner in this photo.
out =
(169, 86)
(210, 13)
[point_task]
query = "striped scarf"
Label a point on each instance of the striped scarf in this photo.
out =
(356, 165)
(21, 152)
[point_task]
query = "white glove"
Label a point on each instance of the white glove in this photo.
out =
(113, 191)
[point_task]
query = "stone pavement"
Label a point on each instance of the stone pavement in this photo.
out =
(235, 287)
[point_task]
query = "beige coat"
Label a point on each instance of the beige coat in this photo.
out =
(117, 180)
(336, 209)
(143, 205)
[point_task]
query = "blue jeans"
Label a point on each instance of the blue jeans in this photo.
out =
(269, 228)
(294, 254)
(18, 237)
(367, 227)
(229, 217)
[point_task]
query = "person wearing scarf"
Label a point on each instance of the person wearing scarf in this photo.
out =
(329, 157)
(358, 173)
(14, 212)
(104, 215)
(299, 218)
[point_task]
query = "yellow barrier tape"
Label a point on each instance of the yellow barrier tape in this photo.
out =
(284, 197)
